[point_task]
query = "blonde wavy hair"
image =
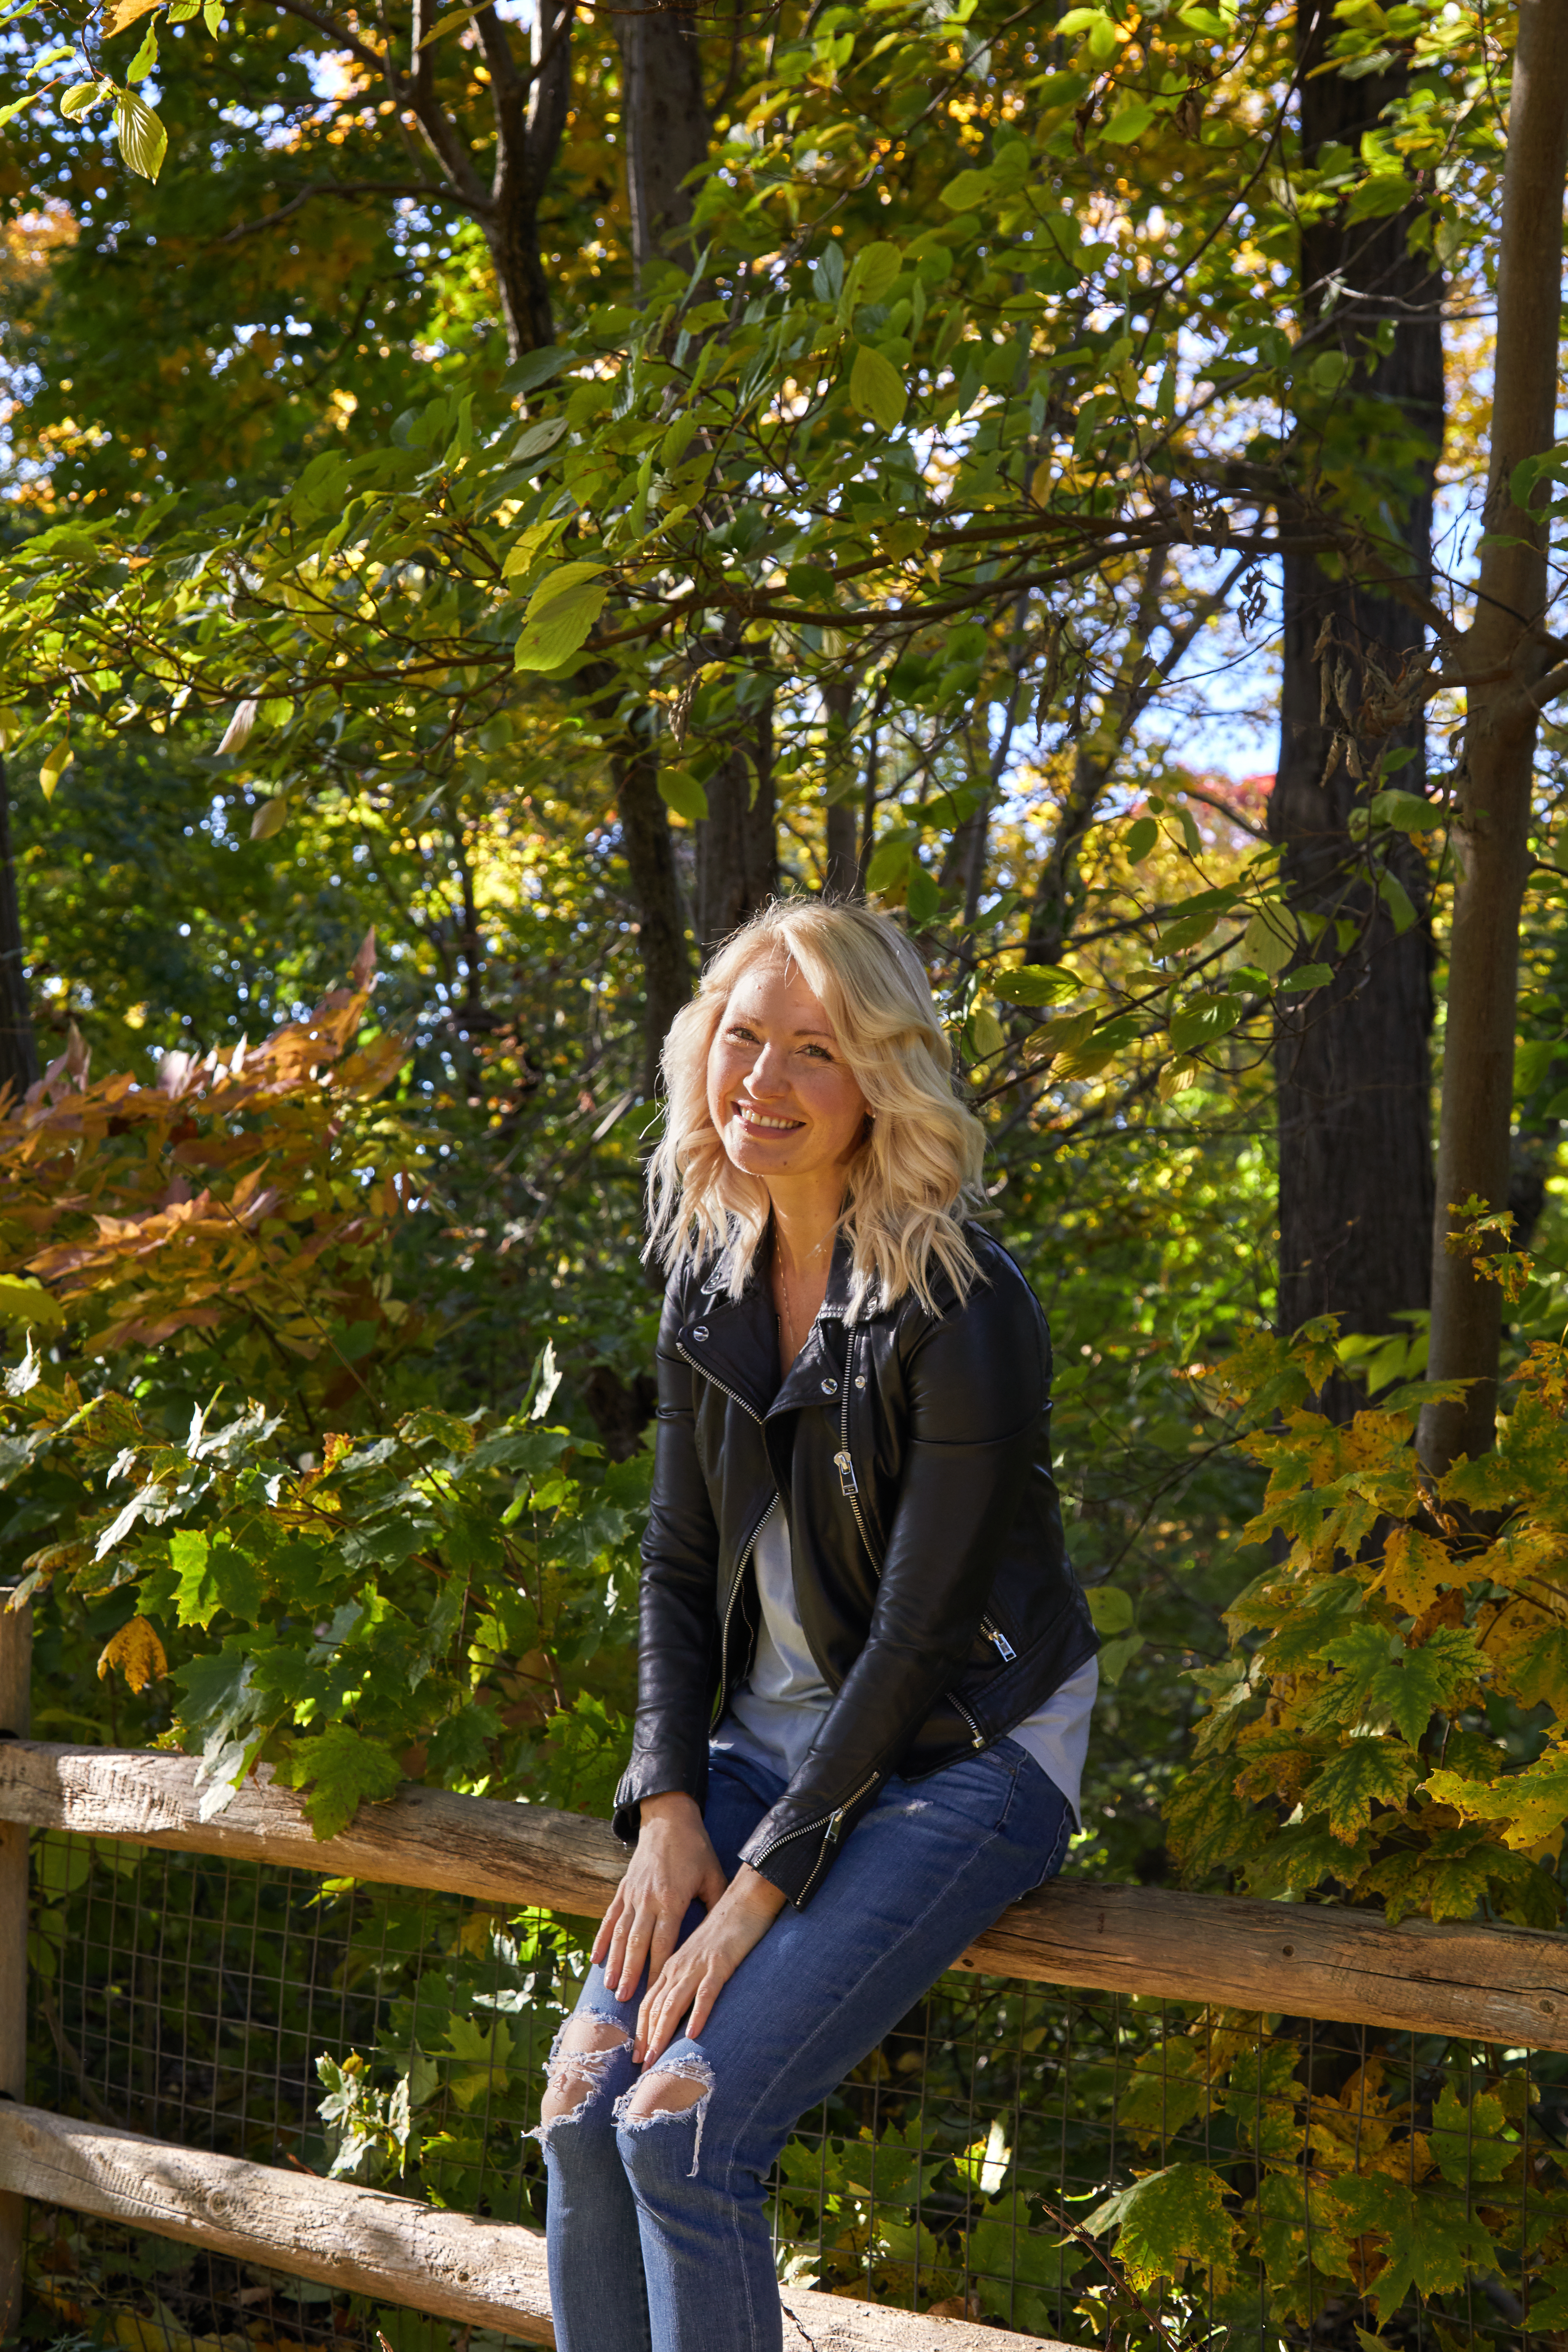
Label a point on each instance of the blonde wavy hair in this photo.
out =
(916, 1174)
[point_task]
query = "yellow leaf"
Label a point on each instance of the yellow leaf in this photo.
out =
(118, 15)
(269, 818)
(138, 1653)
(56, 762)
(1415, 1568)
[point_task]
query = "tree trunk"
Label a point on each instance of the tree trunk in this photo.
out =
(841, 873)
(1352, 1059)
(664, 121)
(530, 116)
(737, 867)
(18, 1045)
(1507, 654)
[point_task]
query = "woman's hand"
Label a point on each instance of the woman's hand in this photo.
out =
(694, 1978)
(673, 1865)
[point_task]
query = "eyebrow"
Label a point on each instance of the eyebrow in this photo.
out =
(749, 1018)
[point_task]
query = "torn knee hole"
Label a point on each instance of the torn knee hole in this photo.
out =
(578, 2064)
(665, 2094)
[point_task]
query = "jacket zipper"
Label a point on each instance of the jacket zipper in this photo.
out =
(746, 1551)
(978, 1739)
(995, 1635)
(843, 1461)
(706, 1375)
(833, 1827)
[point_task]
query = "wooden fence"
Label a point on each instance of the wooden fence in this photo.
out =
(1491, 1984)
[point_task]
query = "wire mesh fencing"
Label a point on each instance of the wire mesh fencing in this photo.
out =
(1100, 2168)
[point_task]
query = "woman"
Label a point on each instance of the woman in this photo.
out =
(854, 1572)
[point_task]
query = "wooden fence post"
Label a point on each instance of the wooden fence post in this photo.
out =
(16, 1718)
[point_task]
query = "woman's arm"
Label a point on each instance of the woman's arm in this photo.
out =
(678, 1642)
(975, 1388)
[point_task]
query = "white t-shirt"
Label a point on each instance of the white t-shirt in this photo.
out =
(775, 1714)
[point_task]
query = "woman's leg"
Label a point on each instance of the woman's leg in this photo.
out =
(931, 1866)
(597, 2293)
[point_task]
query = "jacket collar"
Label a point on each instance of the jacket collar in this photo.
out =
(734, 1341)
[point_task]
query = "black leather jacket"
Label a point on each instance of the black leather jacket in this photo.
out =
(911, 1456)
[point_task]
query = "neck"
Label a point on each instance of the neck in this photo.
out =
(803, 1230)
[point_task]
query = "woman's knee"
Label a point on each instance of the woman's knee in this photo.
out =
(576, 2071)
(656, 2107)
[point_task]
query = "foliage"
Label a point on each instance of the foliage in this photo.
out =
(1388, 1728)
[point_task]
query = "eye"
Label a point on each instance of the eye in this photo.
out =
(821, 1053)
(739, 1029)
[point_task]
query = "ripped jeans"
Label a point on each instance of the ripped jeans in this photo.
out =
(658, 2228)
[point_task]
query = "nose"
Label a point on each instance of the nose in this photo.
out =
(768, 1075)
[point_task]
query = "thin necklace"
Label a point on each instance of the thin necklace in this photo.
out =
(784, 1285)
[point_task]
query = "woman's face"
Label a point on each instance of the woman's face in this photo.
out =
(783, 1097)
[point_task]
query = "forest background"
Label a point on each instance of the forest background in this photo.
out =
(490, 496)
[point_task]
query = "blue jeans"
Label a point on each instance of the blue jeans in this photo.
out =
(657, 2228)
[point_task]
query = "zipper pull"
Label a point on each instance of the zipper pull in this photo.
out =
(846, 1469)
(998, 1639)
(835, 1827)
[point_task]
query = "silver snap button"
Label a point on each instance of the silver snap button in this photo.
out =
(699, 1331)
(860, 1380)
(830, 1387)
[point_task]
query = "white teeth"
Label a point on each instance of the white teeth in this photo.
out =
(756, 1118)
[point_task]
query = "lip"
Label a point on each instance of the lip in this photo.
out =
(758, 1122)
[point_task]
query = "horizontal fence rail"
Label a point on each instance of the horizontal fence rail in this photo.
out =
(1488, 1983)
(481, 2274)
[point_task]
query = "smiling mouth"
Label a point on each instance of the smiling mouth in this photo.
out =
(763, 1124)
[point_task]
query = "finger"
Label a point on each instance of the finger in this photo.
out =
(607, 1929)
(665, 1936)
(708, 1992)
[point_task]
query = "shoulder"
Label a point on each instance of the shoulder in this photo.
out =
(999, 1297)
(987, 1354)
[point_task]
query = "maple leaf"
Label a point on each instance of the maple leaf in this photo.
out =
(1364, 1772)
(1471, 2143)
(1168, 2220)
(336, 1771)
(1415, 1568)
(1385, 1681)
(138, 1653)
(1531, 1804)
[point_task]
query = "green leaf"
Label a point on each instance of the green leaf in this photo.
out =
(1383, 194)
(143, 141)
(1311, 975)
(213, 1576)
(82, 97)
(1385, 1681)
(680, 790)
(1141, 835)
(876, 388)
(337, 1771)
(1405, 811)
(1111, 1606)
(872, 272)
(1035, 983)
(24, 1299)
(1363, 1773)
(969, 189)
(1204, 1021)
(1168, 2220)
(1268, 942)
(1129, 122)
(146, 58)
(536, 368)
(533, 442)
(1396, 899)
(890, 862)
(561, 612)
(1470, 2143)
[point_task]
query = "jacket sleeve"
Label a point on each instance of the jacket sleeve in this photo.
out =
(975, 1383)
(677, 1642)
